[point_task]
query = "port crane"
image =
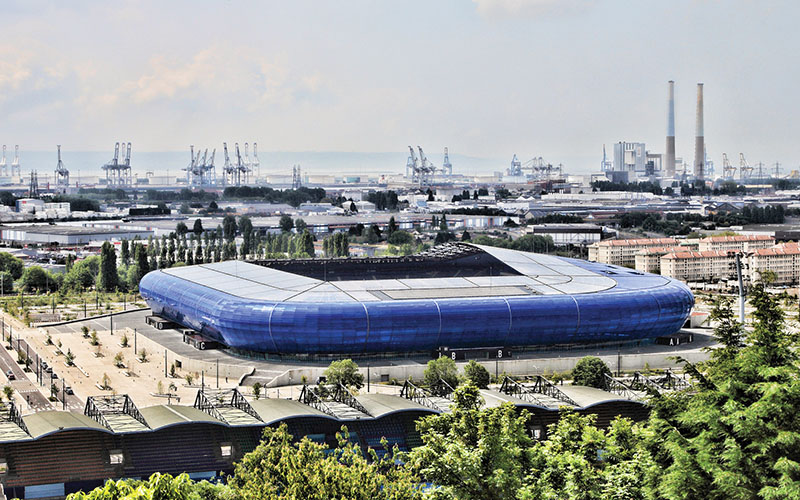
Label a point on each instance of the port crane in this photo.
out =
(61, 173)
(745, 170)
(230, 174)
(728, 170)
(256, 162)
(421, 169)
(242, 168)
(16, 170)
(3, 164)
(538, 167)
(447, 167)
(247, 162)
(118, 173)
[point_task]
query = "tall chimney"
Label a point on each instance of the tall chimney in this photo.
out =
(699, 144)
(669, 166)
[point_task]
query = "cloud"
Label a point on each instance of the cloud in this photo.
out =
(497, 9)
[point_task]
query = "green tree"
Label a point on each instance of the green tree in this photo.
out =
(11, 264)
(472, 453)
(738, 436)
(125, 252)
(281, 469)
(286, 223)
(399, 237)
(465, 236)
(591, 372)
(305, 245)
(300, 225)
(157, 487)
(442, 368)
(34, 278)
(344, 372)
(198, 227)
(6, 282)
(108, 268)
(477, 374)
(392, 226)
(142, 266)
(181, 228)
(229, 227)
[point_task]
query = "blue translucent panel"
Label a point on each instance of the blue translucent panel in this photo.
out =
(544, 319)
(396, 326)
(474, 322)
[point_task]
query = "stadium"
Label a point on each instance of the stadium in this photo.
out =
(456, 296)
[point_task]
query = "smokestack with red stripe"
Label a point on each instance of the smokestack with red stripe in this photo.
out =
(699, 144)
(669, 166)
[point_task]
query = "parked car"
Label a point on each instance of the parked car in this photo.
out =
(68, 390)
(10, 375)
(54, 375)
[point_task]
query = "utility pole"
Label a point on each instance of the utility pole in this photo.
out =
(741, 287)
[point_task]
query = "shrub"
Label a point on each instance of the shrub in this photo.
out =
(590, 371)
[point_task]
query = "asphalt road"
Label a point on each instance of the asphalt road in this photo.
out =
(27, 383)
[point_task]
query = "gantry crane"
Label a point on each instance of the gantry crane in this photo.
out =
(256, 162)
(745, 170)
(16, 169)
(61, 174)
(728, 170)
(3, 164)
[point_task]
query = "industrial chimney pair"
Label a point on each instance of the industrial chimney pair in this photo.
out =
(699, 145)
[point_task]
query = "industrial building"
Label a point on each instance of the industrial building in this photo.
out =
(454, 296)
(62, 235)
(570, 234)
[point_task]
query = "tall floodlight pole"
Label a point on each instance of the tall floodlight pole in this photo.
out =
(741, 287)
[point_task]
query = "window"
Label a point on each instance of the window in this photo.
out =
(115, 457)
(3, 466)
(226, 450)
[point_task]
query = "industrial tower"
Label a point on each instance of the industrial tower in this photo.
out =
(61, 174)
(33, 186)
(296, 177)
(3, 164)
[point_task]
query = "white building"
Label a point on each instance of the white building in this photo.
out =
(630, 157)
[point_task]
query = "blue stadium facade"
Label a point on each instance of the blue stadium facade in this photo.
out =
(459, 296)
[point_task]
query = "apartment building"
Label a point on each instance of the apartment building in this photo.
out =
(782, 260)
(740, 243)
(708, 265)
(623, 252)
(648, 260)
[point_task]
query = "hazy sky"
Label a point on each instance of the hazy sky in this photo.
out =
(488, 78)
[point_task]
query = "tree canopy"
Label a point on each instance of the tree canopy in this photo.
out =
(590, 371)
(344, 372)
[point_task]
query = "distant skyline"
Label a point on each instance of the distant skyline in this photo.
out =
(486, 78)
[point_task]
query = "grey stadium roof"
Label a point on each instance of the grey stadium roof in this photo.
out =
(539, 275)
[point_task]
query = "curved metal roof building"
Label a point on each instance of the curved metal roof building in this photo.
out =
(456, 295)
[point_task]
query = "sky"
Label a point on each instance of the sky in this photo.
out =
(486, 78)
